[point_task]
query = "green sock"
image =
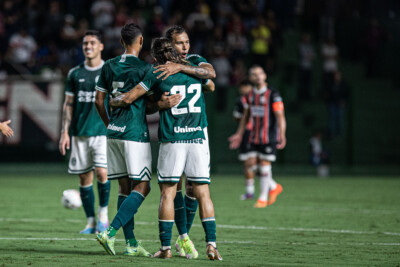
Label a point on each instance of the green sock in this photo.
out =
(128, 227)
(165, 230)
(209, 227)
(111, 231)
(191, 208)
(180, 213)
(87, 196)
(104, 193)
(132, 242)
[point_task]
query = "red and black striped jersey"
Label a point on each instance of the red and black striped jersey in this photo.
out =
(262, 122)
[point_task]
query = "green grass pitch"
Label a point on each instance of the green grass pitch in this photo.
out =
(340, 221)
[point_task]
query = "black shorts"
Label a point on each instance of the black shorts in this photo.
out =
(244, 147)
(265, 152)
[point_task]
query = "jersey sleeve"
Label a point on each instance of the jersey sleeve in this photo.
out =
(150, 80)
(276, 100)
(197, 60)
(238, 108)
(70, 85)
(102, 85)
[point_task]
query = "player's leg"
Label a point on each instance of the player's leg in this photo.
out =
(180, 219)
(207, 216)
(87, 196)
(81, 163)
(99, 150)
(171, 173)
(190, 203)
(197, 170)
(250, 166)
(166, 216)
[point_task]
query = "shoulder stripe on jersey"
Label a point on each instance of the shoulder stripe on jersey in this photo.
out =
(69, 93)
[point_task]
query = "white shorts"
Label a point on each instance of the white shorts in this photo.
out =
(128, 158)
(189, 156)
(87, 153)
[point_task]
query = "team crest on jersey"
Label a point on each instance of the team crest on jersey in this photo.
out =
(97, 78)
(268, 149)
(262, 99)
(73, 161)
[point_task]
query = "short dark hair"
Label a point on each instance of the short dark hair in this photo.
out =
(176, 29)
(245, 82)
(255, 66)
(130, 32)
(93, 33)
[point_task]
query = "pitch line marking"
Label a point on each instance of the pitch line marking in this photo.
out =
(219, 242)
(225, 226)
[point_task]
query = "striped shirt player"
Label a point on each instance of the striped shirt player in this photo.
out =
(127, 125)
(262, 123)
(265, 117)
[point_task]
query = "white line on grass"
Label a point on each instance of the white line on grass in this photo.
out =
(224, 226)
(219, 242)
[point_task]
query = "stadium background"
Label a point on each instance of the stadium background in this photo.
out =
(32, 84)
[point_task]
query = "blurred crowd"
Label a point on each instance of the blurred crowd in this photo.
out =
(42, 37)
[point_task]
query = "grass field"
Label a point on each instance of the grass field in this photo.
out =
(340, 221)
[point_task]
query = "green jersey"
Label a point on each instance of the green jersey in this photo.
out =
(196, 59)
(119, 75)
(81, 82)
(187, 120)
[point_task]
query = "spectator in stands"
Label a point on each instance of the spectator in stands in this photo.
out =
(21, 51)
(306, 54)
(330, 54)
(261, 37)
(337, 96)
(103, 13)
(318, 156)
(223, 67)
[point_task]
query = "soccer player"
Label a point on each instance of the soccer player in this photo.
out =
(185, 208)
(128, 140)
(88, 142)
(264, 107)
(5, 129)
(245, 88)
(184, 142)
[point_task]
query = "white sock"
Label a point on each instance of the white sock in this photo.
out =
(214, 244)
(265, 182)
(164, 248)
(181, 237)
(250, 186)
(91, 222)
(103, 214)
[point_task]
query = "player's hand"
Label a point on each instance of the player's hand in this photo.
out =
(167, 69)
(281, 141)
(64, 143)
(168, 101)
(119, 101)
(234, 141)
(5, 129)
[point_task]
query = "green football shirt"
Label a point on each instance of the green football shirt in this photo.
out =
(196, 59)
(81, 82)
(187, 120)
(119, 75)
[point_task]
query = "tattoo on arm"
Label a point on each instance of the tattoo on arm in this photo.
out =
(202, 72)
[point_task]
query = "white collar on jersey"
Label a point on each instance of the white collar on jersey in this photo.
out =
(127, 55)
(261, 90)
(94, 68)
